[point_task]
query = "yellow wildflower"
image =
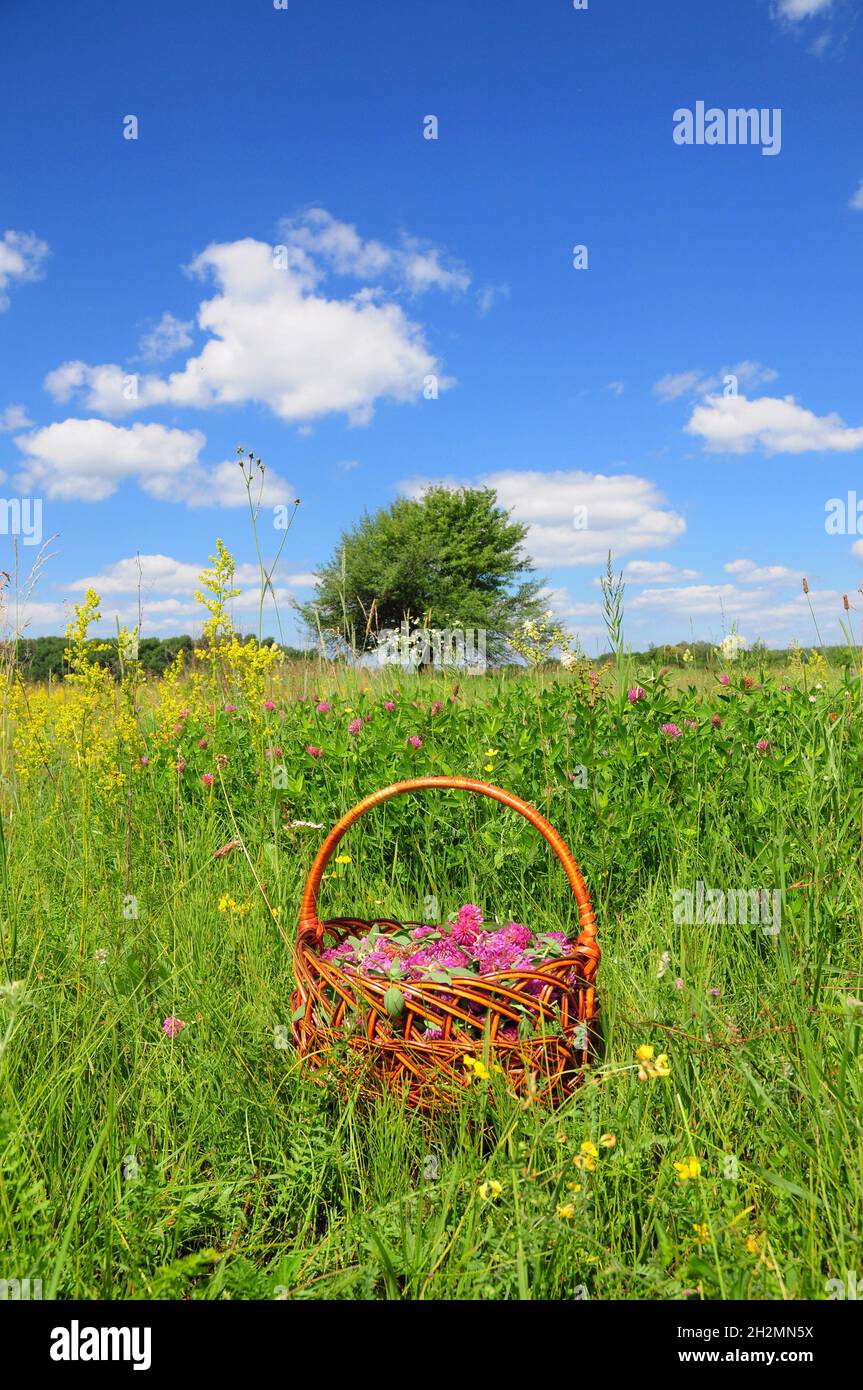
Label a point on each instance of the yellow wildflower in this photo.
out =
(586, 1157)
(688, 1170)
(491, 1190)
(702, 1232)
(479, 1069)
(608, 1141)
(229, 904)
(649, 1067)
(566, 1211)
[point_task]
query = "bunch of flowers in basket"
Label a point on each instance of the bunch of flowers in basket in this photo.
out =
(465, 947)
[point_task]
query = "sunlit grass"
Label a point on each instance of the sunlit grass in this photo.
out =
(135, 1165)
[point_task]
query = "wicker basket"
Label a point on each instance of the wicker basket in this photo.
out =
(340, 1023)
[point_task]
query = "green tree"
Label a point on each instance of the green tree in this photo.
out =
(449, 559)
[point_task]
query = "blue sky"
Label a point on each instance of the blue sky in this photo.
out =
(149, 322)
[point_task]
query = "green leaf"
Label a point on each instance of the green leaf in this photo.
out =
(394, 1002)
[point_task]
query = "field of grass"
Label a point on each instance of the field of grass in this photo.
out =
(135, 1164)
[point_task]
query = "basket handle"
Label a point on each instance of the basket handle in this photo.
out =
(311, 929)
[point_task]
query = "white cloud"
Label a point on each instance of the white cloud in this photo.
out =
(857, 200)
(697, 383)
(675, 384)
(699, 600)
(62, 382)
(159, 573)
(14, 417)
(735, 425)
(274, 338)
(643, 571)
(617, 388)
(223, 486)
(22, 256)
(622, 513)
(490, 295)
(162, 574)
(565, 607)
(422, 270)
(759, 608)
(320, 236)
(248, 599)
(158, 591)
(750, 573)
(796, 10)
(165, 338)
(748, 374)
(415, 266)
(164, 616)
(857, 549)
(43, 613)
(86, 460)
(110, 389)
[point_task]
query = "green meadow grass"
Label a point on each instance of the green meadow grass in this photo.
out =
(137, 1166)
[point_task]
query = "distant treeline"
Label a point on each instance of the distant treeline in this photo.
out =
(41, 658)
(702, 654)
